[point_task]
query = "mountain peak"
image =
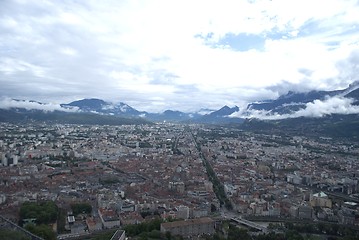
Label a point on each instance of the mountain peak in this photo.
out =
(102, 107)
(353, 92)
(293, 102)
(88, 103)
(355, 84)
(225, 107)
(224, 111)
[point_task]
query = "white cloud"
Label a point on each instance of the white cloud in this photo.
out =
(128, 50)
(68, 51)
(317, 108)
(7, 103)
(335, 105)
(11, 66)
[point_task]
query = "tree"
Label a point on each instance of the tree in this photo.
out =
(168, 235)
(42, 230)
(43, 212)
(6, 234)
(78, 208)
(235, 233)
(293, 235)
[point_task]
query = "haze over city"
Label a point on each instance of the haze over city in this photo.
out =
(183, 55)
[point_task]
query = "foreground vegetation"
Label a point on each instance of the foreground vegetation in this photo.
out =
(37, 218)
(7, 234)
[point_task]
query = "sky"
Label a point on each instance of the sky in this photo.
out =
(180, 55)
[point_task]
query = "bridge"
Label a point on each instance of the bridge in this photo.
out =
(10, 224)
(249, 224)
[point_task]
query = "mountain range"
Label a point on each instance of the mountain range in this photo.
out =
(91, 111)
(121, 109)
(99, 106)
(292, 101)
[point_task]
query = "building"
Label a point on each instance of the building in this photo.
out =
(295, 179)
(93, 224)
(2, 198)
(346, 217)
(182, 212)
(305, 212)
(347, 213)
(127, 218)
(190, 227)
(327, 214)
(109, 218)
(320, 200)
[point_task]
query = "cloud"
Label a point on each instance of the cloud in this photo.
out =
(7, 103)
(284, 87)
(134, 51)
(305, 71)
(315, 109)
(335, 105)
(11, 66)
(349, 67)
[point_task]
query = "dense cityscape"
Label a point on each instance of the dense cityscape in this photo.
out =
(194, 179)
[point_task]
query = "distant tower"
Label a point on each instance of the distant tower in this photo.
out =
(15, 160)
(2, 157)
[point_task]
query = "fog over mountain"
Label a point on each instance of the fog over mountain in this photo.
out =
(317, 108)
(8, 103)
(313, 104)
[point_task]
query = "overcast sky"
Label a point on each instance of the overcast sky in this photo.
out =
(180, 55)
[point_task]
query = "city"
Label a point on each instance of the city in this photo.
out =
(133, 174)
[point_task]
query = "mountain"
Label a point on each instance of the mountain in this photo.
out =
(295, 101)
(121, 109)
(220, 116)
(354, 94)
(291, 101)
(171, 116)
(224, 111)
(316, 113)
(334, 126)
(86, 111)
(291, 105)
(94, 108)
(204, 111)
(24, 116)
(94, 105)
